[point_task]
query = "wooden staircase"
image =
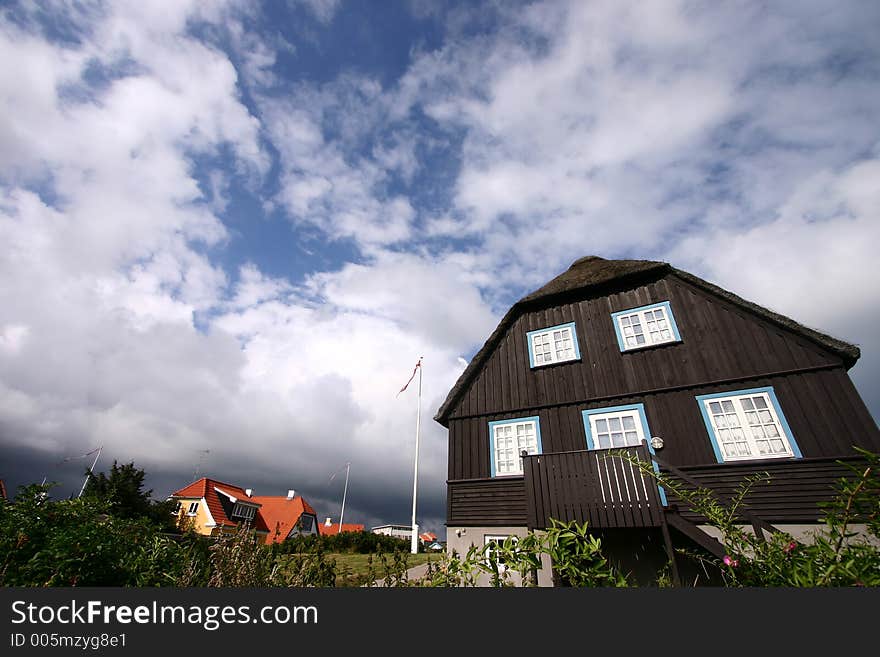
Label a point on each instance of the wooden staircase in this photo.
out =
(608, 490)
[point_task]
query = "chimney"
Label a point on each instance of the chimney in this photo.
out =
(291, 494)
(248, 491)
(327, 522)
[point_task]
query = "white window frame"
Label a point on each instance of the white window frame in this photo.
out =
(555, 337)
(193, 509)
(659, 313)
(312, 524)
(496, 539)
(735, 419)
(593, 416)
(631, 433)
(244, 511)
(513, 424)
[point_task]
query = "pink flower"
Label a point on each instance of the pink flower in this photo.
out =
(729, 561)
(791, 546)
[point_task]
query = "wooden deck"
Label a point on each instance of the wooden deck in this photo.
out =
(609, 492)
(596, 486)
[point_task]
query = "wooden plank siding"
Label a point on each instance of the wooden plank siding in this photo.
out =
(826, 416)
(823, 409)
(724, 347)
(486, 502)
(793, 494)
(720, 341)
(590, 486)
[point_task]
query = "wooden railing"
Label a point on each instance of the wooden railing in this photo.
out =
(597, 486)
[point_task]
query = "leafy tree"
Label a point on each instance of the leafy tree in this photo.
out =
(123, 492)
(44, 542)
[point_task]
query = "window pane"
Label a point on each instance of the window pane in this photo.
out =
(748, 423)
(629, 422)
(602, 425)
(614, 423)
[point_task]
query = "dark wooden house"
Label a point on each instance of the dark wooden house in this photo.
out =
(640, 355)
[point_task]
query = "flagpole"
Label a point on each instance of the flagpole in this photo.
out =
(344, 492)
(414, 545)
(91, 470)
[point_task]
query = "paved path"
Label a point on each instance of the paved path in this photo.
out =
(416, 572)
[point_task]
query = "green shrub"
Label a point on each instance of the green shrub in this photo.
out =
(362, 542)
(836, 555)
(79, 543)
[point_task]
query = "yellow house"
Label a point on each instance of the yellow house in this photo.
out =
(213, 508)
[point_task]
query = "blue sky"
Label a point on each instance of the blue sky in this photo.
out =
(236, 226)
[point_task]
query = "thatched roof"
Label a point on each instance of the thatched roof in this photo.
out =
(593, 273)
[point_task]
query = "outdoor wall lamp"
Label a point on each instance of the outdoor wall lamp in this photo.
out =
(657, 442)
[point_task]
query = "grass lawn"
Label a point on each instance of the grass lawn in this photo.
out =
(353, 569)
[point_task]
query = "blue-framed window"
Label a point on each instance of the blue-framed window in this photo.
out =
(508, 439)
(645, 326)
(747, 424)
(554, 344)
(614, 427)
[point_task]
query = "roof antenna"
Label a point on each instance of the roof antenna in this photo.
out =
(198, 467)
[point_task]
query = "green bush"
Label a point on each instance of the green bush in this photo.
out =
(362, 542)
(79, 543)
(836, 555)
(575, 553)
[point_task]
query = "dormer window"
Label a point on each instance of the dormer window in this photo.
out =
(193, 509)
(243, 511)
(554, 344)
(305, 524)
(646, 326)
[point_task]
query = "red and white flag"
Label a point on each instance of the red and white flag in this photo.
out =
(415, 369)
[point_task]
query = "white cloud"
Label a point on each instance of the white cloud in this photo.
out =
(657, 130)
(822, 241)
(323, 10)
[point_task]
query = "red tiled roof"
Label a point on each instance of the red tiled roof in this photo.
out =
(2, 490)
(328, 530)
(428, 537)
(281, 514)
(208, 488)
